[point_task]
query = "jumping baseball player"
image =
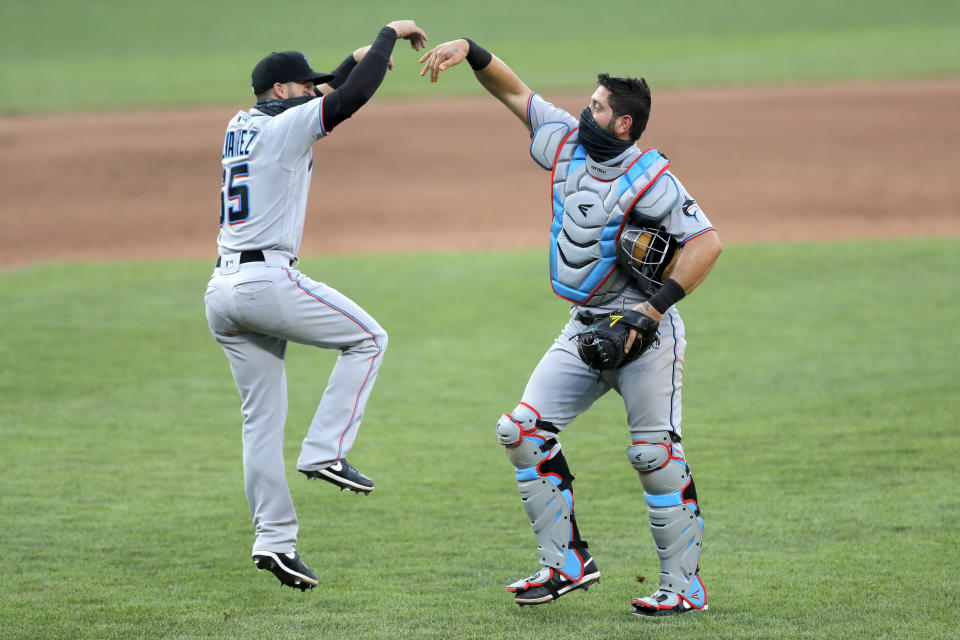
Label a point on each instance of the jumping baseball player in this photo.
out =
(257, 300)
(626, 243)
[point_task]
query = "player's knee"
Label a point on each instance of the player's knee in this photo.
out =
(661, 466)
(512, 426)
(523, 440)
(381, 338)
(375, 342)
(652, 452)
(673, 481)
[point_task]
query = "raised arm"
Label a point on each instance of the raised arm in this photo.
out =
(354, 84)
(495, 76)
(342, 72)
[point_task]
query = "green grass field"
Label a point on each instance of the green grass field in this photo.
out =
(821, 404)
(109, 54)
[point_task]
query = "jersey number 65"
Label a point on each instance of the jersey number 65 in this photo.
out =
(236, 194)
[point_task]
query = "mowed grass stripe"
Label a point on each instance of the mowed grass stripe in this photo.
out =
(107, 54)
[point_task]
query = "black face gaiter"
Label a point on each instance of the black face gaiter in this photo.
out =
(276, 106)
(599, 144)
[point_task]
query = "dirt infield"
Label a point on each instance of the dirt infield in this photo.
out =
(766, 164)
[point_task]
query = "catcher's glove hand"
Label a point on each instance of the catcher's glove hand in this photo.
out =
(603, 343)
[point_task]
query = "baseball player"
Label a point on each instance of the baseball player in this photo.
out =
(627, 242)
(257, 301)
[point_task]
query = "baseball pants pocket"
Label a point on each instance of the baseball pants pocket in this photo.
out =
(251, 288)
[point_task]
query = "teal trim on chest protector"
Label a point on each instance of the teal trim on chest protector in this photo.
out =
(639, 168)
(578, 159)
(607, 240)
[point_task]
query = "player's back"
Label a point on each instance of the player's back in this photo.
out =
(266, 164)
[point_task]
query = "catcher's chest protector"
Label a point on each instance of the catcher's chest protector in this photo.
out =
(590, 203)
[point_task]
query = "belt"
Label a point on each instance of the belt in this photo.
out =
(249, 256)
(587, 317)
(255, 256)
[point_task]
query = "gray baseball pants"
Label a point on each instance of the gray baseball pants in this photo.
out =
(253, 313)
(562, 386)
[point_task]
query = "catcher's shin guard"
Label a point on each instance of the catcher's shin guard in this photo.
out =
(675, 521)
(545, 484)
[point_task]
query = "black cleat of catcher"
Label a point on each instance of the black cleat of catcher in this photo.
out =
(547, 585)
(344, 476)
(288, 567)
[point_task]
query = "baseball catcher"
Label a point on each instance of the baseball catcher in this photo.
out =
(627, 242)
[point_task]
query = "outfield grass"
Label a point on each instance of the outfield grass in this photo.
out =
(820, 419)
(108, 54)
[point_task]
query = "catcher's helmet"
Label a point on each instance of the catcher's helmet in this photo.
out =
(648, 254)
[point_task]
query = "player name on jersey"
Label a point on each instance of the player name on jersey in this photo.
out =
(237, 142)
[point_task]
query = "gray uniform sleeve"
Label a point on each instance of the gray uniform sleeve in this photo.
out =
(540, 111)
(668, 205)
(549, 125)
(298, 128)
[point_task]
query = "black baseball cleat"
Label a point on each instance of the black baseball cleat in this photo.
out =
(341, 474)
(288, 567)
(547, 584)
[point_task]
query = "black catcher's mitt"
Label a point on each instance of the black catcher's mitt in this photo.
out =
(602, 344)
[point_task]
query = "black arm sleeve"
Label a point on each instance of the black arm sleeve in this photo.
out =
(361, 83)
(342, 71)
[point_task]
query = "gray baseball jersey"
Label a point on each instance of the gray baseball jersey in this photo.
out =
(562, 386)
(267, 162)
(257, 301)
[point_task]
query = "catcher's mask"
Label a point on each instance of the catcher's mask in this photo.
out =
(647, 254)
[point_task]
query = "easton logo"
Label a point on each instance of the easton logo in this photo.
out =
(615, 319)
(584, 208)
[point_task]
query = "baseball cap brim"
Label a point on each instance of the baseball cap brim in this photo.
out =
(318, 78)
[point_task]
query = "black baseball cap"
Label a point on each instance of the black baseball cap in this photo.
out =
(284, 66)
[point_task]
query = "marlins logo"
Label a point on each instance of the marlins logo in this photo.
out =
(690, 208)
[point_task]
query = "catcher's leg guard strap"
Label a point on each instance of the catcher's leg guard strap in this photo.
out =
(545, 484)
(672, 508)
